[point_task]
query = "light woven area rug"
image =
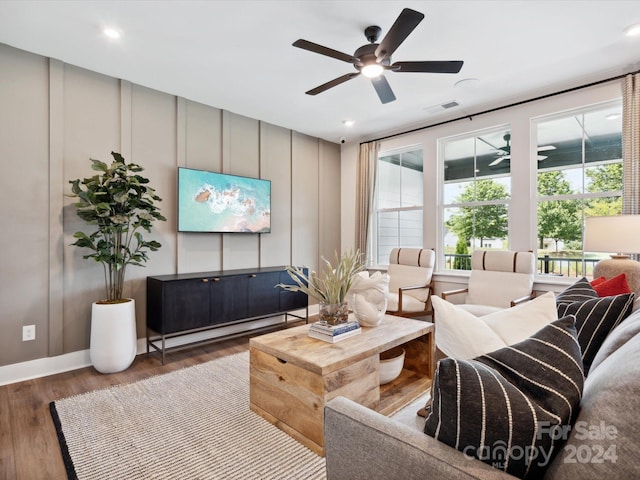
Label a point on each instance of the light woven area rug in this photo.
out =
(193, 423)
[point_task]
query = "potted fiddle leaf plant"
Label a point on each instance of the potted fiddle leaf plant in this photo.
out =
(119, 202)
(330, 287)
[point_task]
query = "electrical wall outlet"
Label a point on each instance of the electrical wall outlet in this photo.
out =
(28, 333)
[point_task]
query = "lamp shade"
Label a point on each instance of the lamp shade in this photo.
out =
(615, 234)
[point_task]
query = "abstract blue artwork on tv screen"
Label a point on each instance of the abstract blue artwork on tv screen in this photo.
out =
(217, 202)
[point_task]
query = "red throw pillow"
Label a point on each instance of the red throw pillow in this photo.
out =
(597, 281)
(614, 286)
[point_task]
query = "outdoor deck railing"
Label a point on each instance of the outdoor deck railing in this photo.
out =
(547, 265)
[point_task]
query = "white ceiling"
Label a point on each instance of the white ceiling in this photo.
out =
(237, 55)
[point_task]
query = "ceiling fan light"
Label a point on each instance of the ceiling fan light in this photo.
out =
(112, 33)
(372, 70)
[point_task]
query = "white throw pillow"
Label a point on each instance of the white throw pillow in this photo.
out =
(517, 323)
(462, 335)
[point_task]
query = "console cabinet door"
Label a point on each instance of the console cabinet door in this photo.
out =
(228, 298)
(184, 306)
(263, 295)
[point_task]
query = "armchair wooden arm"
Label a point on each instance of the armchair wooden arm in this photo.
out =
(443, 295)
(414, 287)
(426, 311)
(520, 300)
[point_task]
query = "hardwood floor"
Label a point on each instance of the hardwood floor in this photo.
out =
(29, 447)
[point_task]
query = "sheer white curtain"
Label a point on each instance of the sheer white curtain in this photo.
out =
(365, 190)
(631, 144)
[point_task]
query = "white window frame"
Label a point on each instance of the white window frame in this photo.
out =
(440, 261)
(373, 237)
(578, 196)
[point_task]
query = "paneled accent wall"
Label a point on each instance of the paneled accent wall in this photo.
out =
(275, 164)
(305, 192)
(55, 117)
(24, 203)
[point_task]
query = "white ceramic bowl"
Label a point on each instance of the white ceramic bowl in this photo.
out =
(391, 363)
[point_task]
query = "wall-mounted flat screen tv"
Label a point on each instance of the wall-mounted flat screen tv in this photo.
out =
(218, 202)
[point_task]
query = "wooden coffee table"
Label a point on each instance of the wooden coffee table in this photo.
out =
(293, 376)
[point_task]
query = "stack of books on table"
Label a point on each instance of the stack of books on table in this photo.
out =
(334, 333)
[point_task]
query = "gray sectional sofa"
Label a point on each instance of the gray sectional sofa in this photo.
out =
(603, 443)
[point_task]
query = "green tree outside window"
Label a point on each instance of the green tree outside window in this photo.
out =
(557, 220)
(483, 221)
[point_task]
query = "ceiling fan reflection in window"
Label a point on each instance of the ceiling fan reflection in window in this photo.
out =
(504, 153)
(373, 59)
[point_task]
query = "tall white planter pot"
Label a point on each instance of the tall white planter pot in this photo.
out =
(113, 336)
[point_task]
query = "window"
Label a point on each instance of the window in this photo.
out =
(399, 201)
(476, 192)
(579, 174)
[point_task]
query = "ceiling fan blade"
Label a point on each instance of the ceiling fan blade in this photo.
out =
(332, 83)
(322, 50)
(499, 160)
(406, 22)
(428, 67)
(492, 146)
(546, 148)
(383, 89)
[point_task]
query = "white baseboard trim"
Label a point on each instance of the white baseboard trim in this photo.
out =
(42, 367)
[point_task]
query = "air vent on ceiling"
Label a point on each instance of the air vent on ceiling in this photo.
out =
(432, 110)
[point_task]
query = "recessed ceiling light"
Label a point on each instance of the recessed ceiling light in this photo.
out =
(612, 116)
(348, 123)
(632, 30)
(111, 33)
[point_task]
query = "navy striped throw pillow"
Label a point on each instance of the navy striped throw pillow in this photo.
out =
(508, 408)
(578, 292)
(595, 318)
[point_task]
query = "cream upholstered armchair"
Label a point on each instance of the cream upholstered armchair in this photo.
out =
(410, 281)
(499, 279)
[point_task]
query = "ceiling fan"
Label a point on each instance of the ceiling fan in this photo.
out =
(504, 153)
(372, 59)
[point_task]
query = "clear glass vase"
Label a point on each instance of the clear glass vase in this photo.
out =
(334, 313)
